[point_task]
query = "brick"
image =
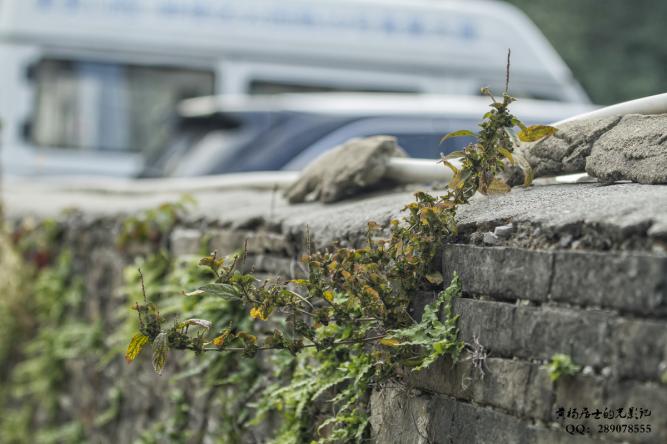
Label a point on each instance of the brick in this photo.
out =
(628, 282)
(649, 396)
(185, 241)
(274, 265)
(540, 332)
(519, 387)
(402, 416)
(500, 272)
(536, 332)
(639, 347)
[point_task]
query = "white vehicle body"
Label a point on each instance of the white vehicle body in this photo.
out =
(86, 84)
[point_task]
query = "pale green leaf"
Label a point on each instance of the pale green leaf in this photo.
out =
(454, 155)
(434, 278)
(506, 154)
(460, 133)
(224, 291)
(160, 350)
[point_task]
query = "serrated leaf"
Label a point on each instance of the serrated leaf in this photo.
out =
(203, 323)
(224, 291)
(434, 278)
(134, 348)
(535, 132)
(160, 350)
(460, 133)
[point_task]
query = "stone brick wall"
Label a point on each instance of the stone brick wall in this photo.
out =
(527, 296)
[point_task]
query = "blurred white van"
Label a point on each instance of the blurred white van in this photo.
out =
(89, 86)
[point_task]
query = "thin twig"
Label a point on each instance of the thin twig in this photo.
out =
(507, 71)
(346, 342)
(143, 287)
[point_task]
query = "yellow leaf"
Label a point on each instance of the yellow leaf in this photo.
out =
(498, 186)
(371, 292)
(220, 340)
(328, 295)
(434, 278)
(535, 132)
(247, 337)
(136, 344)
(258, 313)
(390, 342)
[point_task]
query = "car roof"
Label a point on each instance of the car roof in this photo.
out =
(373, 104)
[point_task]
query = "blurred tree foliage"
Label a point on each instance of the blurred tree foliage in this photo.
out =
(617, 49)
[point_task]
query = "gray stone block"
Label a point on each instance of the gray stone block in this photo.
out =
(491, 322)
(541, 332)
(537, 332)
(519, 387)
(185, 241)
(636, 283)
(629, 282)
(640, 346)
(403, 416)
(499, 272)
(635, 149)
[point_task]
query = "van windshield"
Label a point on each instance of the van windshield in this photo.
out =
(105, 106)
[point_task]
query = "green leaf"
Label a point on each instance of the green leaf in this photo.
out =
(536, 132)
(203, 323)
(526, 168)
(224, 291)
(136, 344)
(450, 166)
(454, 155)
(519, 123)
(460, 133)
(506, 154)
(160, 350)
(562, 365)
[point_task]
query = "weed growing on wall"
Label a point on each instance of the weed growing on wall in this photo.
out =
(47, 338)
(347, 326)
(562, 365)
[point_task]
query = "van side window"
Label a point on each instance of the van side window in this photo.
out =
(277, 87)
(87, 105)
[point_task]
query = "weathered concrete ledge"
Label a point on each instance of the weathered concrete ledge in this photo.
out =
(575, 269)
